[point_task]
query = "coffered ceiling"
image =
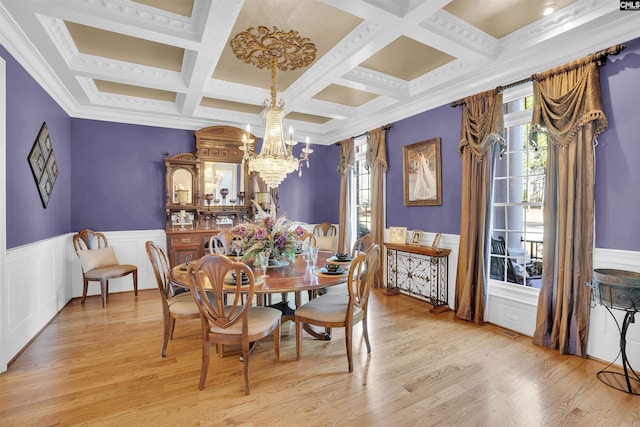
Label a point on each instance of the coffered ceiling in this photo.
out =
(169, 62)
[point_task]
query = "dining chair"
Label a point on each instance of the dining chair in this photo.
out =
(237, 322)
(325, 229)
(308, 238)
(362, 244)
(181, 306)
(99, 263)
(218, 246)
(326, 236)
(223, 239)
(340, 311)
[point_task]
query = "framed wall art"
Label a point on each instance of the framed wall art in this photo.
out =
(422, 177)
(416, 237)
(398, 235)
(43, 164)
(436, 241)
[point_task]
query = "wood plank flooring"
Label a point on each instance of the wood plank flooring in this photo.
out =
(102, 367)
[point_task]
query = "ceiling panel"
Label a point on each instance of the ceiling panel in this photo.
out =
(406, 59)
(108, 44)
(137, 91)
(345, 95)
(181, 7)
(501, 17)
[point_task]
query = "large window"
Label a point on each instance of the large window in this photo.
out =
(518, 190)
(361, 190)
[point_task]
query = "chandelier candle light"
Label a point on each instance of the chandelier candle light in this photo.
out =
(273, 48)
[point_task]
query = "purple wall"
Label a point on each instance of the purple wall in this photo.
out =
(119, 175)
(442, 122)
(28, 105)
(112, 175)
(314, 197)
(618, 153)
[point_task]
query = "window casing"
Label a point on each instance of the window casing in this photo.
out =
(518, 189)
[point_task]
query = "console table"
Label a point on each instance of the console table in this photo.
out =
(420, 271)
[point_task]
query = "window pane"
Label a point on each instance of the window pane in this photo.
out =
(518, 137)
(500, 191)
(498, 220)
(516, 189)
(501, 167)
(515, 219)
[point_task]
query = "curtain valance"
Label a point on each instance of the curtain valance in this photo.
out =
(482, 123)
(560, 114)
(347, 156)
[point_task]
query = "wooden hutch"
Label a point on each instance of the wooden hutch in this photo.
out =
(204, 192)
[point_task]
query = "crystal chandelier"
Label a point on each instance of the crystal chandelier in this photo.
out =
(263, 48)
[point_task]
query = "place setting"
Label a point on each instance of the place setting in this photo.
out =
(230, 279)
(331, 269)
(340, 259)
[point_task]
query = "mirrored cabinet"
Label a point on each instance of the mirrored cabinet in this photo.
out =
(207, 190)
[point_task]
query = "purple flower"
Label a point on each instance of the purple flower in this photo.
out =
(268, 222)
(299, 230)
(280, 240)
(260, 233)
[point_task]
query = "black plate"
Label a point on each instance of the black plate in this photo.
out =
(347, 259)
(333, 273)
(232, 281)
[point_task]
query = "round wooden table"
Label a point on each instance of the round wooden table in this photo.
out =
(296, 277)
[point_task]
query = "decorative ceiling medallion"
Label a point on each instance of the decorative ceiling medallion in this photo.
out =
(260, 46)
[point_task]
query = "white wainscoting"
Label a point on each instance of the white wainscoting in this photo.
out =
(514, 308)
(42, 277)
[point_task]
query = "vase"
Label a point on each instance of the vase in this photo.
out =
(275, 260)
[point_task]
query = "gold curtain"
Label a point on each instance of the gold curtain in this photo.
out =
(568, 107)
(345, 166)
(377, 162)
(482, 125)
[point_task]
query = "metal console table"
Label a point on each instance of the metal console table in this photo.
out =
(419, 271)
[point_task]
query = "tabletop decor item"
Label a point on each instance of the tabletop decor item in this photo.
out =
(269, 233)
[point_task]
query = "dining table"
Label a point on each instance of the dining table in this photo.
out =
(295, 277)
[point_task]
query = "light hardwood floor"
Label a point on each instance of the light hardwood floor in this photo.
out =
(102, 367)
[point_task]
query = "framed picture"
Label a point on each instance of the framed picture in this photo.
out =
(43, 164)
(421, 173)
(416, 237)
(436, 241)
(398, 234)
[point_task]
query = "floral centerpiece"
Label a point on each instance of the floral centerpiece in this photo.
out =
(269, 233)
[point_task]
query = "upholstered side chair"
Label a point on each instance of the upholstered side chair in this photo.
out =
(99, 263)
